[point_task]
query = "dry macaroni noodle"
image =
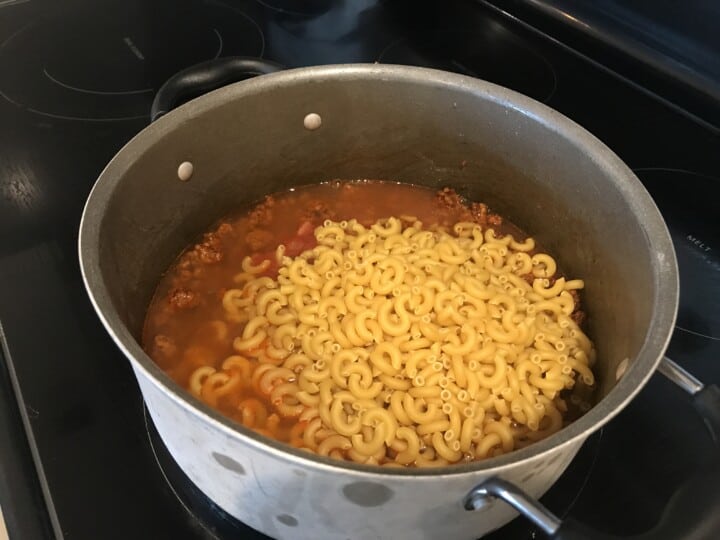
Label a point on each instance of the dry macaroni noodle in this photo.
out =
(398, 345)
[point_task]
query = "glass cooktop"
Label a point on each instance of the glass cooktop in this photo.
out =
(79, 458)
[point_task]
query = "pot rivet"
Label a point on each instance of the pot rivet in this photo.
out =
(621, 369)
(312, 121)
(185, 171)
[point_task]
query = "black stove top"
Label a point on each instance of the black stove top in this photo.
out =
(79, 458)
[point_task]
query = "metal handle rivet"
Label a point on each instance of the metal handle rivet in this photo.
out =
(312, 121)
(185, 171)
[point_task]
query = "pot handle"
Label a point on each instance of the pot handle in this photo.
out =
(705, 398)
(682, 518)
(206, 76)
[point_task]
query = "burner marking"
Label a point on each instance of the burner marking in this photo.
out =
(97, 92)
(133, 48)
(698, 243)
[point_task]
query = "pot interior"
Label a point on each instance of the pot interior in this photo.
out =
(528, 163)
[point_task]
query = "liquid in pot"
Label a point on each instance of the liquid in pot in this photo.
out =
(377, 322)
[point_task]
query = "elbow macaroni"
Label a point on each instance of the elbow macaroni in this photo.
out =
(398, 345)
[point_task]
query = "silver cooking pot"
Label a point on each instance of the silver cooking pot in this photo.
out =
(544, 172)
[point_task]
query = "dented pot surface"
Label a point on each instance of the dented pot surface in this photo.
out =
(531, 164)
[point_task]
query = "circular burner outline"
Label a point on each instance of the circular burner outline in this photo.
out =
(146, 417)
(96, 92)
(29, 25)
(471, 73)
(674, 170)
(123, 92)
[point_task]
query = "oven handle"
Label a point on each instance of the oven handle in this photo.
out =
(206, 76)
(691, 513)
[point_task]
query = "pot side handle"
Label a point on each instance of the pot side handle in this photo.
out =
(206, 76)
(705, 397)
(691, 513)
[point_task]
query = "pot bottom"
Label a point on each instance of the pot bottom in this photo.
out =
(216, 523)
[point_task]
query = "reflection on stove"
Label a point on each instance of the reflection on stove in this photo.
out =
(490, 53)
(688, 202)
(298, 7)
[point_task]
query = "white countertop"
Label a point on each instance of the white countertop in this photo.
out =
(3, 530)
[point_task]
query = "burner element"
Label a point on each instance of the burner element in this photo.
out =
(64, 68)
(491, 53)
(688, 202)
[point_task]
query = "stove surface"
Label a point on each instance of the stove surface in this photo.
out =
(78, 456)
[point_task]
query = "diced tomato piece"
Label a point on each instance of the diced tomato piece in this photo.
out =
(306, 228)
(272, 269)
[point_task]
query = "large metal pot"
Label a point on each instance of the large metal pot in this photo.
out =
(544, 172)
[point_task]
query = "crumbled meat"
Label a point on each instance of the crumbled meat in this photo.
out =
(317, 212)
(528, 277)
(479, 212)
(450, 200)
(262, 213)
(209, 254)
(578, 315)
(258, 239)
(183, 298)
(575, 296)
(164, 346)
(494, 220)
(225, 229)
(482, 216)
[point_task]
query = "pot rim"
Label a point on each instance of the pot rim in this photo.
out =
(665, 271)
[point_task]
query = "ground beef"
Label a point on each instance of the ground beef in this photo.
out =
(579, 317)
(163, 346)
(449, 200)
(209, 254)
(181, 298)
(224, 230)
(258, 239)
(262, 213)
(482, 216)
(575, 296)
(317, 212)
